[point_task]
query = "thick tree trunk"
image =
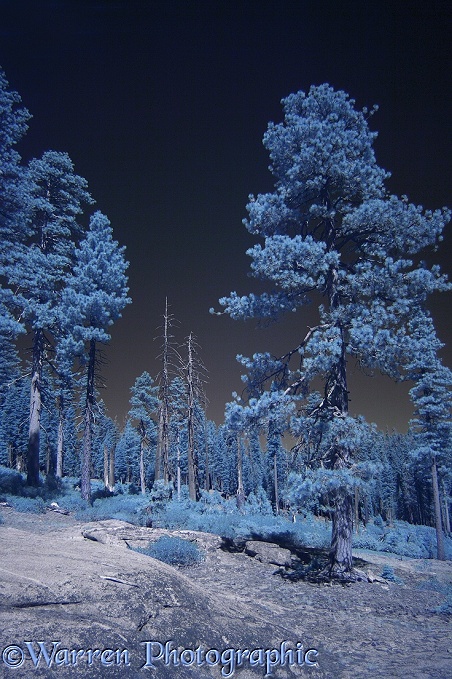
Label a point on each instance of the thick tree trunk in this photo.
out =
(87, 433)
(341, 561)
(336, 394)
(439, 529)
(35, 410)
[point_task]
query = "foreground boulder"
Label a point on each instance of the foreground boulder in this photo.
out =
(268, 552)
(88, 606)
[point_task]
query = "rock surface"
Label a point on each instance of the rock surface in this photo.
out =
(94, 593)
(268, 552)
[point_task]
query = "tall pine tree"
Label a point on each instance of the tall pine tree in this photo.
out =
(93, 299)
(332, 233)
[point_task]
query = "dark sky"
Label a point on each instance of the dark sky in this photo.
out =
(162, 107)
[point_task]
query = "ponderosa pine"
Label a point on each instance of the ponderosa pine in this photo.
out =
(332, 233)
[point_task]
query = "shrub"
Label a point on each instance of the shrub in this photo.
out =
(388, 574)
(160, 495)
(258, 503)
(174, 551)
(11, 482)
(27, 504)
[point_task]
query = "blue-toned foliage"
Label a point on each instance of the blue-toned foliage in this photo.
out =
(174, 551)
(332, 233)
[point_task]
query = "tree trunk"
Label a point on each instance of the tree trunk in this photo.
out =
(193, 488)
(106, 466)
(142, 474)
(87, 433)
(162, 453)
(446, 509)
(439, 529)
(207, 479)
(35, 410)
(275, 480)
(111, 470)
(193, 481)
(178, 466)
(356, 511)
(341, 561)
(240, 489)
(336, 395)
(60, 445)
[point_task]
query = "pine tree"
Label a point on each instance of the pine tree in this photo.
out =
(432, 399)
(55, 201)
(128, 454)
(14, 190)
(145, 403)
(331, 232)
(93, 299)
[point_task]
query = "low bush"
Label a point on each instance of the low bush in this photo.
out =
(11, 481)
(388, 574)
(27, 504)
(174, 551)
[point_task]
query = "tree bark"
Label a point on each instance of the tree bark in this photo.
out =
(341, 560)
(356, 511)
(446, 510)
(111, 470)
(336, 395)
(34, 431)
(275, 480)
(106, 460)
(439, 529)
(193, 481)
(60, 445)
(87, 433)
(240, 489)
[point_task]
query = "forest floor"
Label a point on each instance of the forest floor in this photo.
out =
(364, 630)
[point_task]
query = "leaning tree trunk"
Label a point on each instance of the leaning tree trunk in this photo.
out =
(35, 410)
(87, 433)
(439, 529)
